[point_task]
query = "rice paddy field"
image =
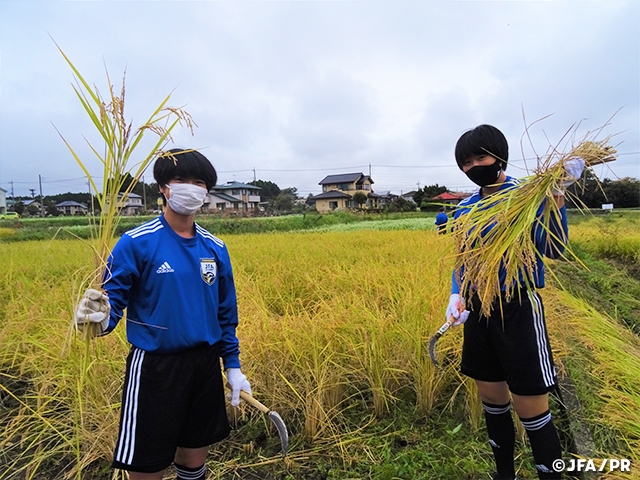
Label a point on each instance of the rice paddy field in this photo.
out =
(334, 327)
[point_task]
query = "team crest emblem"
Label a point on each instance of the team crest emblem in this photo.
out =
(208, 270)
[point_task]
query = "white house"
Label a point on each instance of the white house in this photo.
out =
(69, 207)
(132, 205)
(233, 195)
(3, 200)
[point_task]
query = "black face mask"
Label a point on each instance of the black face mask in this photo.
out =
(486, 174)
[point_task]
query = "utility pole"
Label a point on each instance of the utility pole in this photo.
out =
(369, 170)
(11, 189)
(41, 200)
(91, 197)
(254, 174)
(33, 192)
(144, 196)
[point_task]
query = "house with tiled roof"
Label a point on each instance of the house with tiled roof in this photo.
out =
(69, 207)
(236, 196)
(338, 191)
(379, 200)
(450, 198)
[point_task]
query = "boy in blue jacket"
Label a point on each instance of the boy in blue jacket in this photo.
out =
(441, 221)
(508, 353)
(176, 282)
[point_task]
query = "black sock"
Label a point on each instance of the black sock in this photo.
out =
(545, 444)
(502, 437)
(186, 473)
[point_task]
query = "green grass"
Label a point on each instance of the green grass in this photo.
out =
(64, 228)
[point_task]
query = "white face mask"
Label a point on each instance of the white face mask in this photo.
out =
(185, 198)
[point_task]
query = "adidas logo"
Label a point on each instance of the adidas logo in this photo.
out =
(165, 268)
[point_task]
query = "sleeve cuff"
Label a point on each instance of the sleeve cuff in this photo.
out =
(231, 361)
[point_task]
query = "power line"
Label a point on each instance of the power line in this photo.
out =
(254, 170)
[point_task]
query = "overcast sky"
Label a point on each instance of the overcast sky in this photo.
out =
(292, 91)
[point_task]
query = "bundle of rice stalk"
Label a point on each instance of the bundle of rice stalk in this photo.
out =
(497, 236)
(121, 140)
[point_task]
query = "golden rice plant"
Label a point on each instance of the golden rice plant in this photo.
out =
(496, 233)
(52, 426)
(308, 304)
(120, 141)
(610, 356)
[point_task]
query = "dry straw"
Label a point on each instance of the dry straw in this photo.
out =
(498, 232)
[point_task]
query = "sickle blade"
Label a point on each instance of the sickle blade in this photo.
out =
(432, 349)
(282, 430)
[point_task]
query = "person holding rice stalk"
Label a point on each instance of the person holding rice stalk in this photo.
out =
(507, 351)
(176, 282)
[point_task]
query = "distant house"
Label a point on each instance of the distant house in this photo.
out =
(33, 201)
(3, 200)
(379, 200)
(409, 196)
(338, 191)
(131, 205)
(450, 198)
(221, 202)
(234, 195)
(70, 207)
(332, 200)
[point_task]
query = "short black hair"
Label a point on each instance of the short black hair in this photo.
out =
(186, 164)
(482, 140)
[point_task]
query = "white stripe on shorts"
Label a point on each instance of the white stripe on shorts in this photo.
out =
(541, 338)
(127, 440)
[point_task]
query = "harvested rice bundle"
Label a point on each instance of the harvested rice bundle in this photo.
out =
(496, 237)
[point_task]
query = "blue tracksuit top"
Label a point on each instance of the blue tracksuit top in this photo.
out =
(179, 292)
(547, 245)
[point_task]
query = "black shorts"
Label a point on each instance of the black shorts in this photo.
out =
(511, 345)
(169, 401)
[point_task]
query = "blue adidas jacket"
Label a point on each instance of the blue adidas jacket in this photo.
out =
(179, 292)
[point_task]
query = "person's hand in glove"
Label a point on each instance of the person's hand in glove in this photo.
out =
(456, 310)
(93, 308)
(237, 381)
(573, 169)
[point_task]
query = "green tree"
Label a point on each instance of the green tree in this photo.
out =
(399, 205)
(51, 210)
(426, 193)
(269, 189)
(310, 201)
(285, 200)
(623, 193)
(33, 210)
(18, 207)
(360, 198)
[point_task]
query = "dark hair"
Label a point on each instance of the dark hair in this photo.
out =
(186, 164)
(482, 140)
(442, 209)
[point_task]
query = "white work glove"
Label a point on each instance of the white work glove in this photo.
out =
(456, 310)
(573, 169)
(237, 381)
(93, 308)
